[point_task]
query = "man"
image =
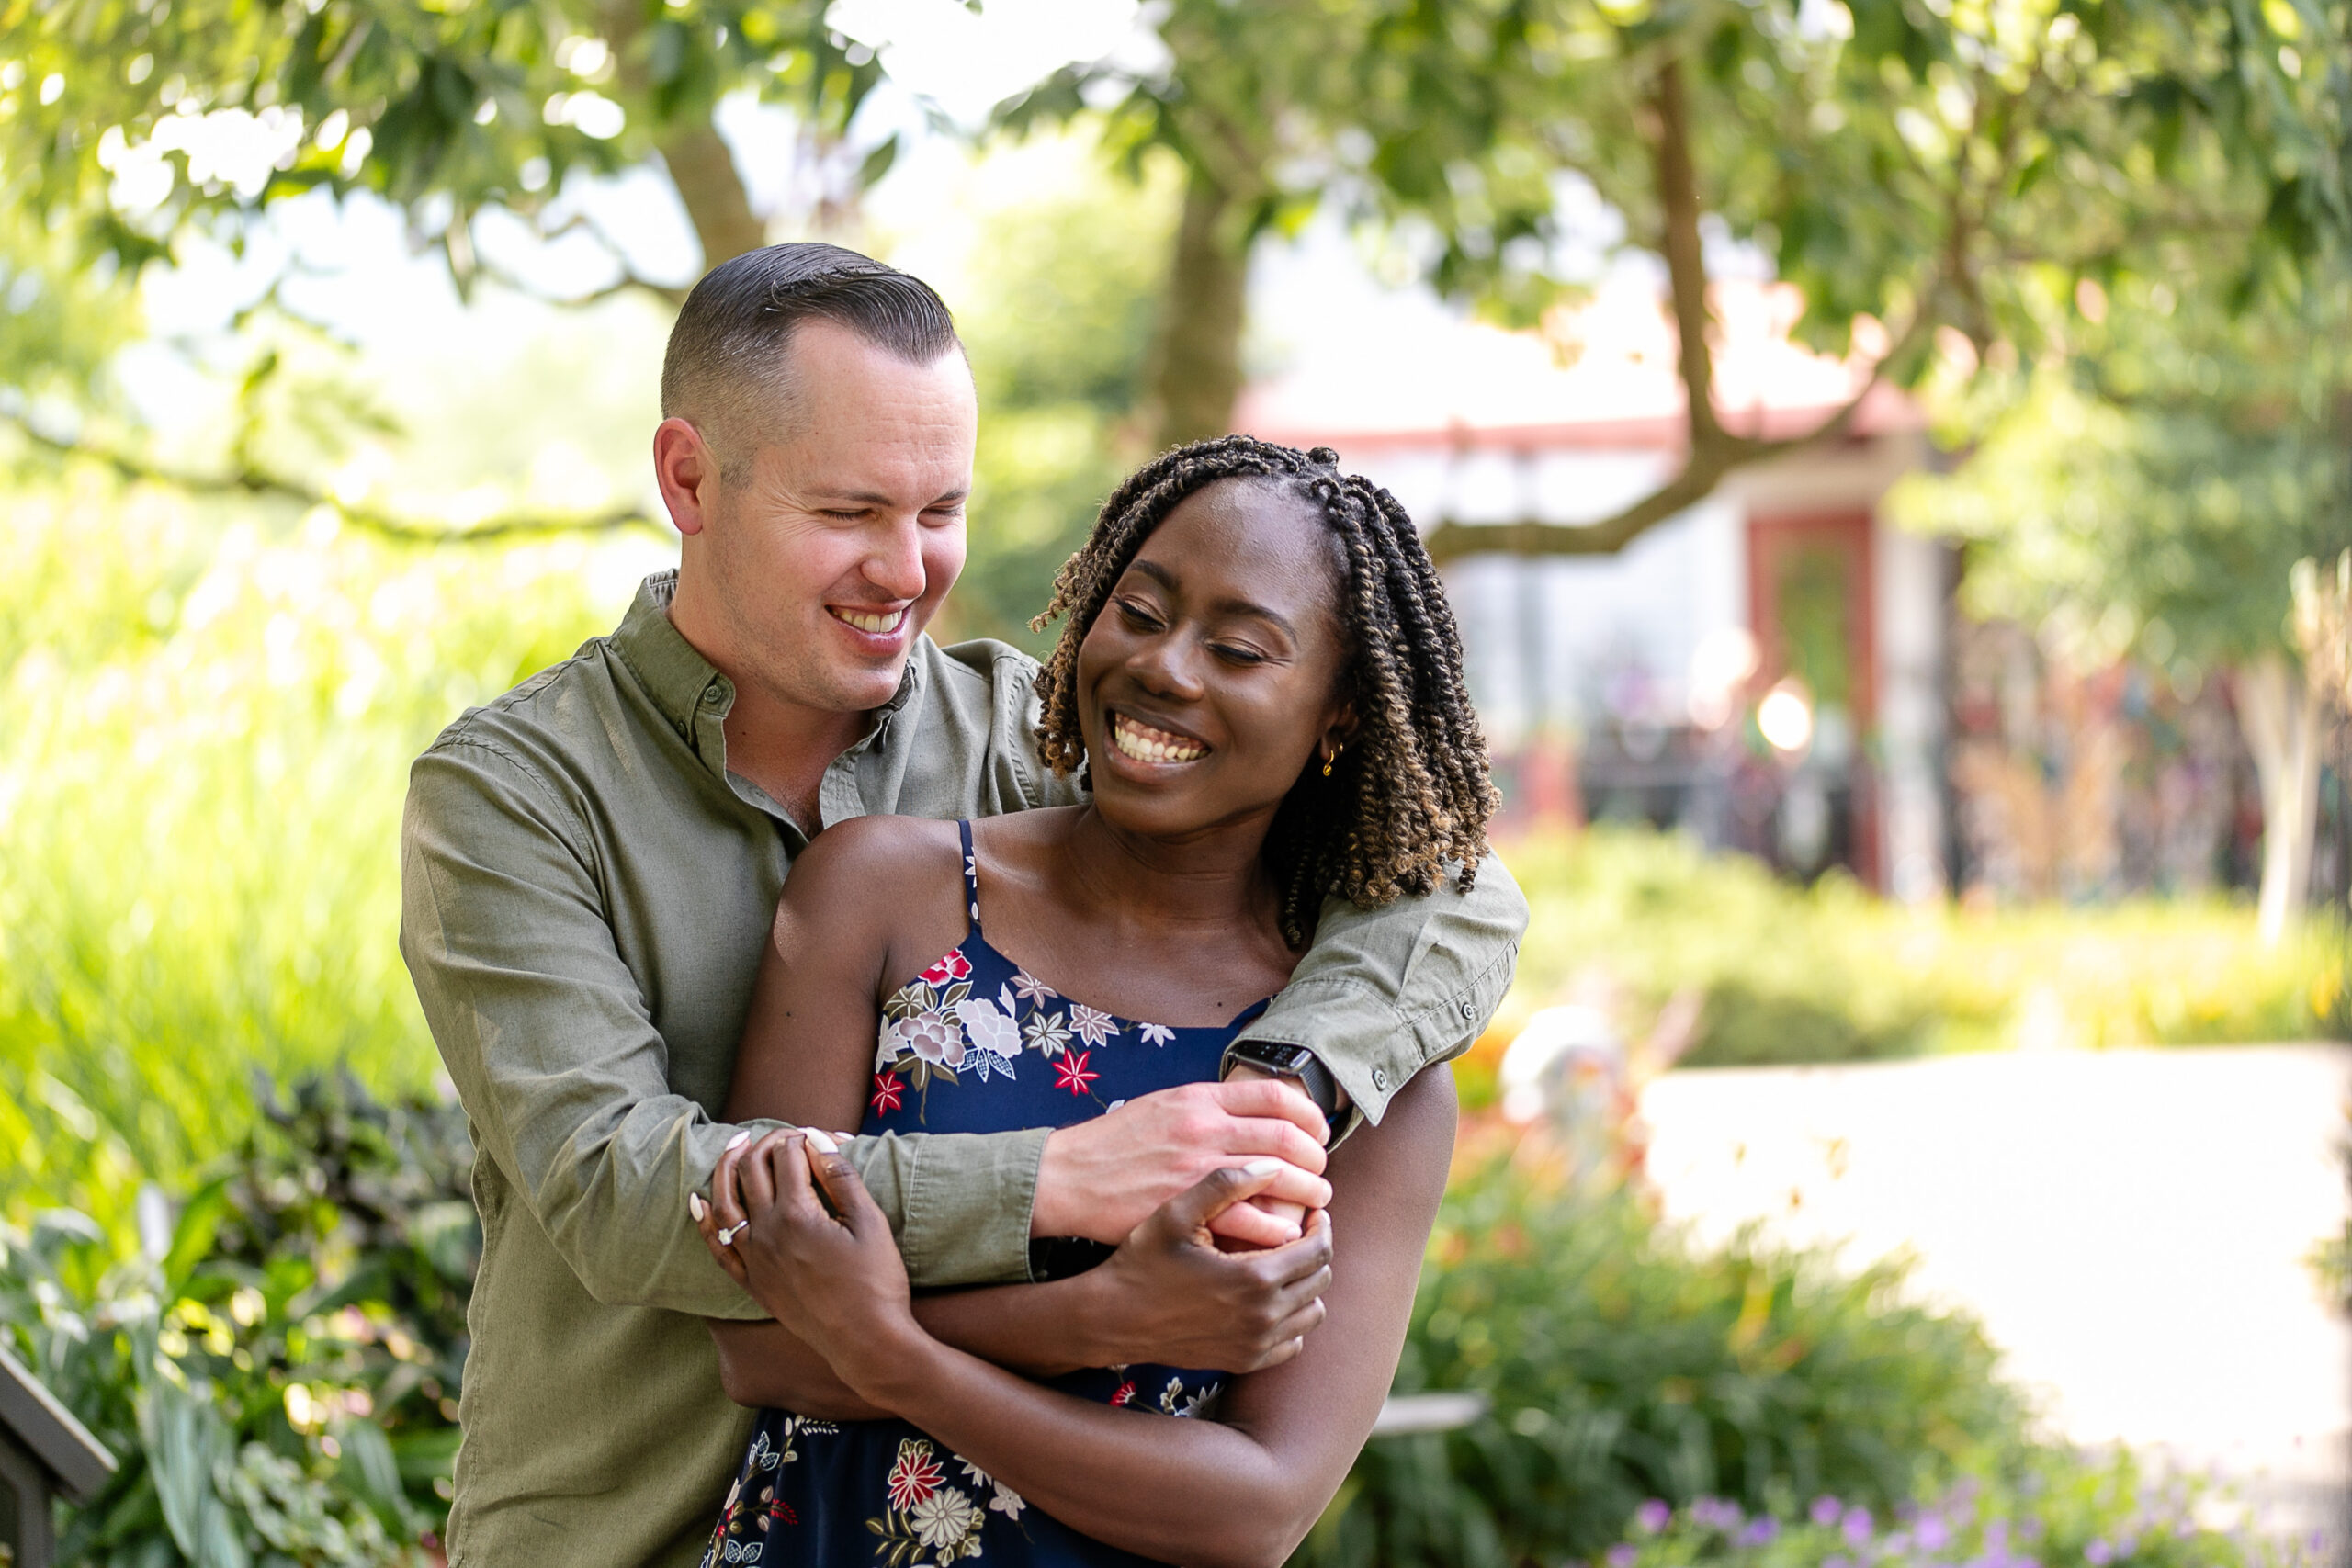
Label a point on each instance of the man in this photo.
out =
(590, 865)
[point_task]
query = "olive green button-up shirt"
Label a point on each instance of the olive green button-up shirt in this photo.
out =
(585, 890)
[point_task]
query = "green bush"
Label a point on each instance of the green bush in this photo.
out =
(1622, 1365)
(277, 1373)
(1830, 972)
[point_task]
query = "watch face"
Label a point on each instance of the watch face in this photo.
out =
(1279, 1059)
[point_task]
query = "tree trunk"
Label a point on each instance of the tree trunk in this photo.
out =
(1196, 371)
(703, 169)
(2279, 714)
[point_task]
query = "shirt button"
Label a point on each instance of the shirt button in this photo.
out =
(1380, 1078)
(712, 696)
(1470, 1009)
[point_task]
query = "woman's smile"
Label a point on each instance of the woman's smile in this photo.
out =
(1143, 742)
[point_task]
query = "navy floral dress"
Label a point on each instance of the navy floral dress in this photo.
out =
(972, 1045)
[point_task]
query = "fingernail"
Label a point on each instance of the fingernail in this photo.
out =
(1258, 1168)
(821, 1142)
(739, 1140)
(694, 1206)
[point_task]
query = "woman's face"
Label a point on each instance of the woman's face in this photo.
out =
(1212, 676)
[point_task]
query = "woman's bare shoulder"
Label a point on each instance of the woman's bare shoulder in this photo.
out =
(867, 845)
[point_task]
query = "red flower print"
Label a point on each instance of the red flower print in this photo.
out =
(887, 1096)
(950, 969)
(914, 1476)
(1126, 1393)
(780, 1509)
(1072, 1074)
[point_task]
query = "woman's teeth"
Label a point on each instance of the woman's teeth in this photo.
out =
(870, 621)
(1146, 744)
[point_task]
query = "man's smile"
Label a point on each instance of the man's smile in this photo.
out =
(875, 623)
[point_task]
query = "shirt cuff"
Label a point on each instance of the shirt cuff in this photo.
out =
(967, 1201)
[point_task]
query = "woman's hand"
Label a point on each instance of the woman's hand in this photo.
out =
(1169, 1293)
(833, 1279)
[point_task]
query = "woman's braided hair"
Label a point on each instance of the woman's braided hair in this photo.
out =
(1410, 790)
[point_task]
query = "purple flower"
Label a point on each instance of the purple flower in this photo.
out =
(1620, 1555)
(2098, 1554)
(1859, 1525)
(1997, 1536)
(1931, 1533)
(1652, 1517)
(1716, 1514)
(1833, 1562)
(1824, 1512)
(1760, 1531)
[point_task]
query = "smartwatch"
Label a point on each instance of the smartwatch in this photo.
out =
(1296, 1063)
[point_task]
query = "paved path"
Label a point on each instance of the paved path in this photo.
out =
(2128, 1225)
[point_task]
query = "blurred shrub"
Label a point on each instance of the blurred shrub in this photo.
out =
(1831, 973)
(2034, 1506)
(1621, 1365)
(209, 726)
(276, 1371)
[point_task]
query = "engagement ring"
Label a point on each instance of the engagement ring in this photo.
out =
(727, 1238)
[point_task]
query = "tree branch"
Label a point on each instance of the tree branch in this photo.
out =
(1706, 467)
(252, 480)
(1686, 259)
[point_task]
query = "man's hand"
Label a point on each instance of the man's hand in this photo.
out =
(1103, 1177)
(1169, 1295)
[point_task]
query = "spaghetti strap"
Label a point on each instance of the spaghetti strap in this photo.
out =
(971, 875)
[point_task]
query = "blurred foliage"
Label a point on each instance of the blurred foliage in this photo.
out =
(1832, 973)
(200, 781)
(2037, 1505)
(1926, 168)
(129, 126)
(2152, 490)
(1056, 311)
(1623, 1364)
(276, 1372)
(2330, 1259)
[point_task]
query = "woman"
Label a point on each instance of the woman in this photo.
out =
(1260, 676)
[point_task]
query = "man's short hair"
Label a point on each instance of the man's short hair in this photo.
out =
(725, 369)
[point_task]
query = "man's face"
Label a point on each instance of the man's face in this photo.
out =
(827, 553)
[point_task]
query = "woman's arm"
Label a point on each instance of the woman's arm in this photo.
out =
(1240, 1490)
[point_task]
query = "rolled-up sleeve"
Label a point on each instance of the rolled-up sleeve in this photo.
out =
(1382, 993)
(548, 1039)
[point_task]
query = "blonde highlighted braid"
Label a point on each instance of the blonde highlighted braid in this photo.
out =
(1410, 792)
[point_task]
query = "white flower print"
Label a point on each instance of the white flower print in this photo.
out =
(946, 1521)
(988, 1028)
(1155, 1034)
(1202, 1402)
(1006, 1502)
(1031, 988)
(1048, 1032)
(935, 1037)
(889, 1045)
(1091, 1024)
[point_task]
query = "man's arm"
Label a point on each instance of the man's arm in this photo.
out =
(548, 1037)
(1384, 993)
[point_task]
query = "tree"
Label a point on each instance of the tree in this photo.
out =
(1928, 164)
(2155, 487)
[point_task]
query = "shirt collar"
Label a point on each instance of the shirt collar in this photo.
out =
(681, 683)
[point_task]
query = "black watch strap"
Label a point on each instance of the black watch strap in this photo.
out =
(1296, 1063)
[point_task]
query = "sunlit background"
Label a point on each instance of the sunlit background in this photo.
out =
(1917, 1131)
